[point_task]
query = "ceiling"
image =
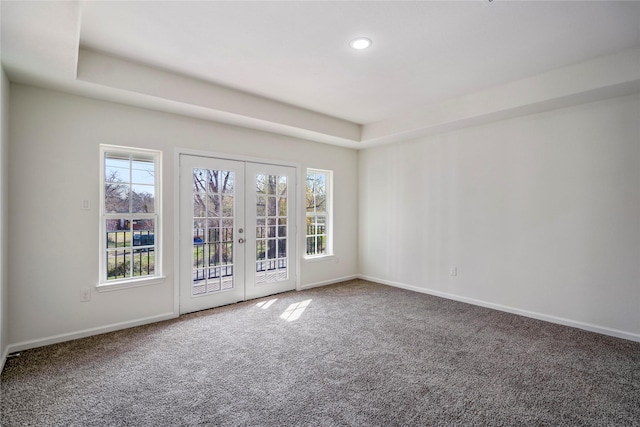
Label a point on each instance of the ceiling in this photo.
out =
(290, 65)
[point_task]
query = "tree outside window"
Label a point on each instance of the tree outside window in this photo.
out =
(129, 214)
(318, 186)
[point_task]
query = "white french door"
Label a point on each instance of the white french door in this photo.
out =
(237, 231)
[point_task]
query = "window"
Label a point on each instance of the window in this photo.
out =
(318, 201)
(130, 215)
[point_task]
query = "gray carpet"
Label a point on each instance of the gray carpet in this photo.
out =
(360, 354)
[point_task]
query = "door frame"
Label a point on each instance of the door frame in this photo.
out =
(298, 224)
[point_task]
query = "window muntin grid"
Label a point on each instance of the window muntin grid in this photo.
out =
(129, 214)
(213, 225)
(317, 212)
(271, 229)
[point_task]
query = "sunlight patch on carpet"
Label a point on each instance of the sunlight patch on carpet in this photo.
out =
(266, 304)
(295, 310)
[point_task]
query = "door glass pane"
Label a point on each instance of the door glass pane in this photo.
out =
(227, 206)
(199, 181)
(282, 186)
(213, 223)
(261, 184)
(199, 206)
(261, 204)
(271, 229)
(271, 206)
(227, 182)
(213, 206)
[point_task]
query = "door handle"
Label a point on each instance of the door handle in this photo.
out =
(241, 240)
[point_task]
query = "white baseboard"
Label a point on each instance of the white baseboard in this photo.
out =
(328, 282)
(532, 314)
(25, 345)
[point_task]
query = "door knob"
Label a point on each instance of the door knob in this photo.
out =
(241, 240)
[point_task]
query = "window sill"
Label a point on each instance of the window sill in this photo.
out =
(318, 258)
(129, 283)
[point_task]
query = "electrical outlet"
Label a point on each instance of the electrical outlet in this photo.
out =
(86, 205)
(85, 295)
(453, 271)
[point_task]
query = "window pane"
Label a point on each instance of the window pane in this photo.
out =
(143, 232)
(214, 254)
(143, 262)
(322, 245)
(282, 186)
(321, 224)
(213, 205)
(118, 233)
(261, 184)
(271, 206)
(272, 184)
(261, 203)
(271, 249)
(129, 183)
(310, 201)
(260, 250)
(142, 198)
(198, 233)
(282, 248)
(227, 253)
(199, 207)
(227, 181)
(227, 206)
(320, 203)
(116, 198)
(311, 228)
(198, 255)
(143, 172)
(199, 180)
(213, 284)
(116, 169)
(211, 184)
(118, 264)
(213, 230)
(320, 184)
(311, 245)
(317, 207)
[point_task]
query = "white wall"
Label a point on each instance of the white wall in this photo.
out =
(540, 215)
(4, 196)
(54, 162)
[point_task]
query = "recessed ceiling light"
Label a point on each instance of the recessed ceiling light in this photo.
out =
(360, 43)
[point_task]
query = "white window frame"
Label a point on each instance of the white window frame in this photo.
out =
(129, 282)
(329, 216)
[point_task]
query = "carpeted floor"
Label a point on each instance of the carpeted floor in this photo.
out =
(352, 354)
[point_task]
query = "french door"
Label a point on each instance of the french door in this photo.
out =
(237, 231)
